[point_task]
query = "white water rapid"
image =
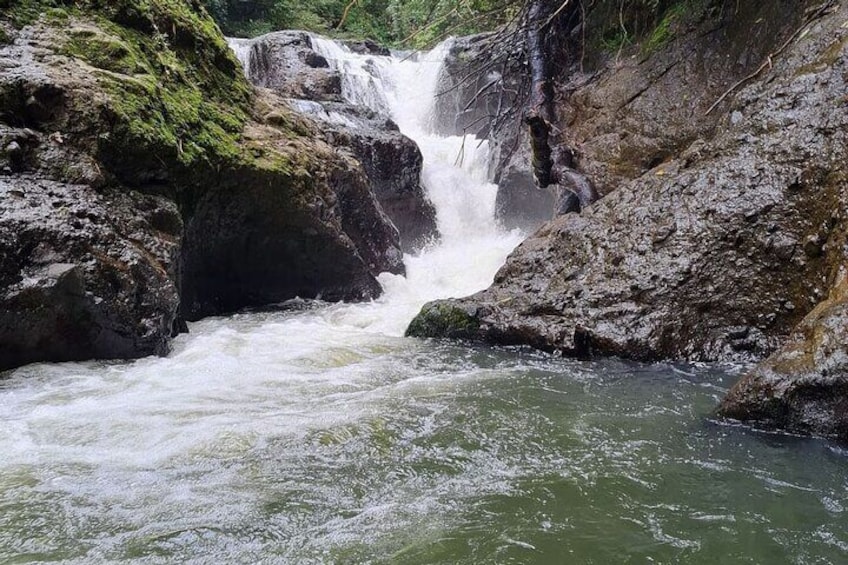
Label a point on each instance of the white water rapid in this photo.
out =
(472, 246)
(151, 454)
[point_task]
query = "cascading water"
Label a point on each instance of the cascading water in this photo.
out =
(241, 49)
(323, 436)
(471, 245)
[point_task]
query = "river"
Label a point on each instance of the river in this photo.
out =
(320, 434)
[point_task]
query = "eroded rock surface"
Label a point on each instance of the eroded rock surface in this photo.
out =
(484, 99)
(391, 161)
(803, 387)
(285, 62)
(85, 275)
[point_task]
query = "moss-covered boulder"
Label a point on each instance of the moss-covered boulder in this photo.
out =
(444, 319)
(104, 99)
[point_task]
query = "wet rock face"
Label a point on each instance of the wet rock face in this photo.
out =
(520, 203)
(626, 113)
(367, 47)
(254, 238)
(286, 63)
(468, 97)
(246, 246)
(704, 256)
(85, 275)
(803, 387)
(392, 163)
(622, 113)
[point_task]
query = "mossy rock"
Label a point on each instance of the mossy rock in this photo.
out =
(444, 319)
(177, 98)
(103, 52)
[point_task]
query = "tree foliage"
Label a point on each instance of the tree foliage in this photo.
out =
(400, 23)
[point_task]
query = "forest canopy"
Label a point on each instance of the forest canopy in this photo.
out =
(400, 23)
(422, 23)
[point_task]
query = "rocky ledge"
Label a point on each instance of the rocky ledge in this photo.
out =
(288, 63)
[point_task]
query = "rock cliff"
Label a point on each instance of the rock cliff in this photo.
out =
(719, 233)
(288, 63)
(145, 182)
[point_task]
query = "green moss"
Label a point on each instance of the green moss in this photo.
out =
(616, 41)
(443, 319)
(665, 29)
(56, 16)
(267, 159)
(178, 97)
(613, 26)
(177, 108)
(103, 52)
(23, 12)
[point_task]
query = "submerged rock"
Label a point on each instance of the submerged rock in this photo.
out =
(445, 319)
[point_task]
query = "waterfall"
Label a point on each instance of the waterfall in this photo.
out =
(455, 172)
(241, 48)
(455, 176)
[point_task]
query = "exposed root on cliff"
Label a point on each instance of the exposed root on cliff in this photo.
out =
(536, 40)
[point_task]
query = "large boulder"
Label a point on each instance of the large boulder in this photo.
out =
(713, 254)
(252, 240)
(145, 182)
(391, 161)
(285, 62)
(803, 387)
